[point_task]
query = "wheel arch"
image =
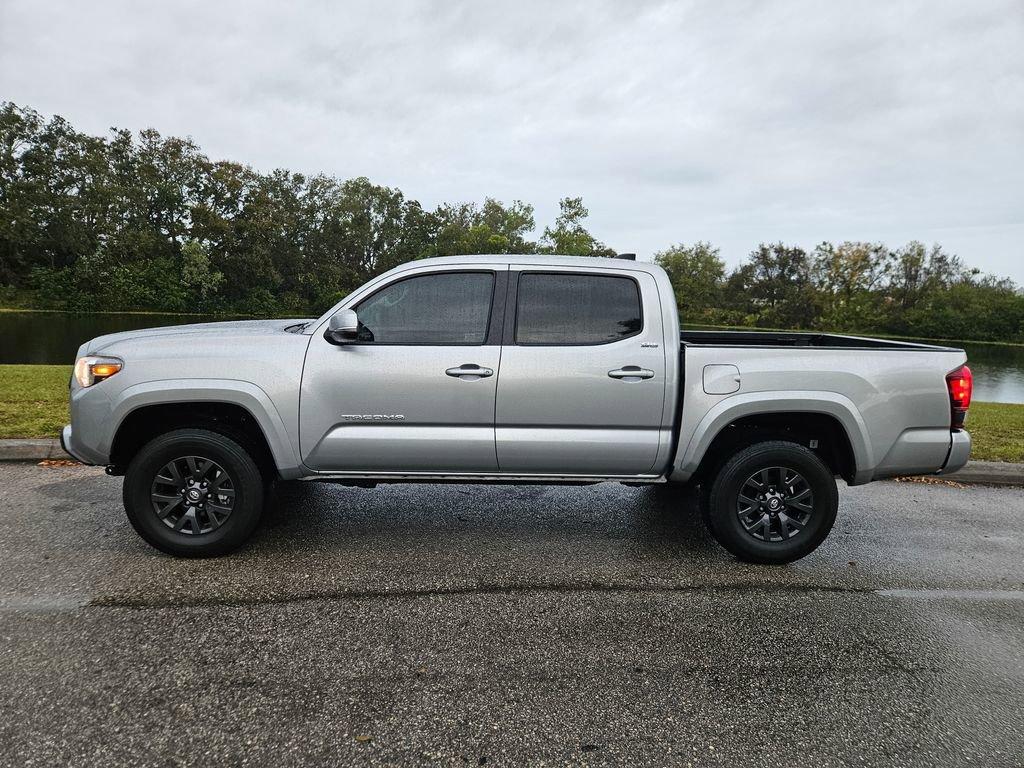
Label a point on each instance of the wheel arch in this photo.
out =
(240, 410)
(737, 422)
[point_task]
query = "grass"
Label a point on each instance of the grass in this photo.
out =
(997, 431)
(34, 403)
(33, 400)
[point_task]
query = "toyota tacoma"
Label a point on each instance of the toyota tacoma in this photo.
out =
(510, 369)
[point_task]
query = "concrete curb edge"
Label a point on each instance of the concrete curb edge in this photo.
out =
(32, 449)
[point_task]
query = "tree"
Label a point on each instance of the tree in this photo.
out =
(494, 228)
(696, 273)
(19, 129)
(198, 277)
(774, 287)
(569, 237)
(917, 271)
(846, 279)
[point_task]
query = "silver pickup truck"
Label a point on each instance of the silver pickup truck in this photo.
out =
(510, 369)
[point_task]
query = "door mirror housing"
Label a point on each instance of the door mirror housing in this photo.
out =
(342, 328)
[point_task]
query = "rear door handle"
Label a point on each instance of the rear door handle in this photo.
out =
(631, 373)
(469, 372)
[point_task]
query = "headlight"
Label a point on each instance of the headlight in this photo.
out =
(89, 370)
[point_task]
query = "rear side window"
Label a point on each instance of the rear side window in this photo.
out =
(566, 308)
(444, 308)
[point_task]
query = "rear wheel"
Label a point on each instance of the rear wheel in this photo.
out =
(193, 493)
(772, 502)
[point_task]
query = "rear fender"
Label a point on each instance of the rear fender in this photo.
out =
(690, 453)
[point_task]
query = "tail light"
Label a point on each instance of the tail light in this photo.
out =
(960, 384)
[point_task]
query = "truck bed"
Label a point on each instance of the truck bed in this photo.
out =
(890, 397)
(717, 338)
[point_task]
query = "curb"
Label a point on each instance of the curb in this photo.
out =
(37, 449)
(980, 472)
(988, 473)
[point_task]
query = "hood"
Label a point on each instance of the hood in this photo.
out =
(233, 328)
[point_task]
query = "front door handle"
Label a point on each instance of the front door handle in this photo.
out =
(469, 372)
(631, 373)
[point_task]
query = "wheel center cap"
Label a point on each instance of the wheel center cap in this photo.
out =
(774, 504)
(195, 494)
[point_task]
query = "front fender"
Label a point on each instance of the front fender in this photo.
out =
(725, 412)
(241, 393)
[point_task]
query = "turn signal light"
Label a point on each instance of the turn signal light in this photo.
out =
(102, 370)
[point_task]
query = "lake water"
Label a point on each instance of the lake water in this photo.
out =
(52, 337)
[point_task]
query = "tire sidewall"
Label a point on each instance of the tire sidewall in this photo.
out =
(248, 484)
(725, 523)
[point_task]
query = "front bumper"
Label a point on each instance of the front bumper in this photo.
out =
(68, 444)
(959, 452)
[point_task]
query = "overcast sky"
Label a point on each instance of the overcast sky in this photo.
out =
(733, 122)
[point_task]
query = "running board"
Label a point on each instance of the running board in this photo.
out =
(367, 479)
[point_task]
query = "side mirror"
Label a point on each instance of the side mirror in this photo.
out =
(342, 328)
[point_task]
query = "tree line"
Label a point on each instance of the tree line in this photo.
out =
(147, 222)
(912, 290)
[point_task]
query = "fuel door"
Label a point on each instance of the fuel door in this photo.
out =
(721, 379)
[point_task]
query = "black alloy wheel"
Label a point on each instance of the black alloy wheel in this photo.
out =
(772, 502)
(775, 504)
(194, 493)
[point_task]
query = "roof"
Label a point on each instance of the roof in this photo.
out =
(542, 260)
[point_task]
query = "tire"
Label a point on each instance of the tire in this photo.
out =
(775, 517)
(220, 487)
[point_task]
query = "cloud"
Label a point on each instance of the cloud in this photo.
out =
(730, 122)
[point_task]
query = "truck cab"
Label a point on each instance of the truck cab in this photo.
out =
(536, 367)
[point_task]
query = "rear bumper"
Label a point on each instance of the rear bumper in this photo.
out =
(959, 452)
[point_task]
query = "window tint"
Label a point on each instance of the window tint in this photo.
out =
(446, 308)
(576, 309)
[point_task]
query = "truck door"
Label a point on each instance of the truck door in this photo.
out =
(415, 391)
(582, 383)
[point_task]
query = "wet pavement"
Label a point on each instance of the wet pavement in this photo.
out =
(497, 625)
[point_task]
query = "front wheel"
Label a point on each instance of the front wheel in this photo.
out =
(193, 493)
(772, 503)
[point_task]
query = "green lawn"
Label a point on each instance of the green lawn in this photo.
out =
(33, 400)
(997, 431)
(34, 403)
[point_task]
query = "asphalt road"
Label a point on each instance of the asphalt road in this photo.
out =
(467, 625)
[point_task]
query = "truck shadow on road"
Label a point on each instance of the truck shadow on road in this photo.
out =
(304, 515)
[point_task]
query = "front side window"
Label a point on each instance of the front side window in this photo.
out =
(566, 308)
(443, 308)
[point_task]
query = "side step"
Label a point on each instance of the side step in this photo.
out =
(370, 480)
